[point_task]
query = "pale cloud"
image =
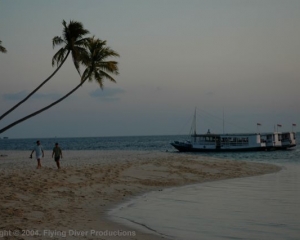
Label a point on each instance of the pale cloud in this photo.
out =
(22, 94)
(107, 94)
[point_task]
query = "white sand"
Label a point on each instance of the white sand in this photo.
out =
(78, 196)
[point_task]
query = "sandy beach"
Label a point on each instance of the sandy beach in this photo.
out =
(72, 203)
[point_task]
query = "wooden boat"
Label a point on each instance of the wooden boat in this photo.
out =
(236, 142)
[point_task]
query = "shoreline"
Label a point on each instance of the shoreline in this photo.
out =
(78, 197)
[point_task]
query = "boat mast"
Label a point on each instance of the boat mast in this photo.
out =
(195, 120)
(223, 122)
(193, 130)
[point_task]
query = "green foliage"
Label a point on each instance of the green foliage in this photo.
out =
(72, 38)
(2, 49)
(95, 60)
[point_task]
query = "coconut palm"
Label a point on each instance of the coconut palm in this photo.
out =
(73, 41)
(2, 49)
(94, 61)
(97, 68)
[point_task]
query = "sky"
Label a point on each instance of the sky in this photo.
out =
(232, 60)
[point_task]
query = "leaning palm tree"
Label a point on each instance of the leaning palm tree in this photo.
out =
(2, 49)
(73, 43)
(96, 68)
(94, 61)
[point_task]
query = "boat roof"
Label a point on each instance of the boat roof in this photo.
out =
(236, 134)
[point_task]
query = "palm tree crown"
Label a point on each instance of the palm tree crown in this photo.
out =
(2, 49)
(73, 41)
(95, 61)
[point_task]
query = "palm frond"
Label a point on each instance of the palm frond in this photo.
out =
(82, 42)
(86, 74)
(95, 61)
(109, 66)
(76, 60)
(57, 41)
(59, 56)
(99, 79)
(2, 49)
(73, 32)
(72, 36)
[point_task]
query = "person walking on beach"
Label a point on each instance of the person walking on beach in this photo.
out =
(57, 153)
(39, 153)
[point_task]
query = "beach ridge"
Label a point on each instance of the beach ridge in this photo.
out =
(75, 199)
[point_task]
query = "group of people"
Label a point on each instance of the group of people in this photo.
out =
(39, 153)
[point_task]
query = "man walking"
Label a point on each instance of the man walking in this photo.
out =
(57, 153)
(39, 153)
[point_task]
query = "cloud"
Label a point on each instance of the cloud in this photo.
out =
(107, 94)
(21, 95)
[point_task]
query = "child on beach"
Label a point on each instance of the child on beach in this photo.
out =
(57, 153)
(39, 153)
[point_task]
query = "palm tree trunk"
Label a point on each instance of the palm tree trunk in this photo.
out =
(29, 95)
(41, 110)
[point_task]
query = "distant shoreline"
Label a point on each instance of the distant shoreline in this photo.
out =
(91, 182)
(61, 137)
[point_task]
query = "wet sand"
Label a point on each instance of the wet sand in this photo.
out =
(72, 202)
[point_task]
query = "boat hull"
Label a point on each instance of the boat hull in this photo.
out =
(190, 148)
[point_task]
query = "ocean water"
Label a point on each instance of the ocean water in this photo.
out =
(143, 143)
(260, 207)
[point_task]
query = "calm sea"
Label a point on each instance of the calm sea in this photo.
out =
(260, 207)
(144, 143)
